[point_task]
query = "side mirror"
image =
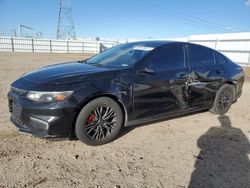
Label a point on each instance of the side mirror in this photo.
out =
(146, 71)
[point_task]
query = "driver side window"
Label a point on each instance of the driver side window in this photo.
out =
(166, 58)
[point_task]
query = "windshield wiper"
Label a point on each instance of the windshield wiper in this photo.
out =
(95, 64)
(82, 61)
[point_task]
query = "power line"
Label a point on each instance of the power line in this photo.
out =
(166, 15)
(169, 16)
(190, 17)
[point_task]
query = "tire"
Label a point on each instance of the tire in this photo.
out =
(223, 99)
(99, 122)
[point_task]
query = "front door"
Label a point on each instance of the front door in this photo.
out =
(160, 82)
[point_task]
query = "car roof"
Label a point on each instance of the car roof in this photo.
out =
(153, 43)
(159, 43)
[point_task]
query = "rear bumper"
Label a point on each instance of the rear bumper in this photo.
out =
(239, 88)
(237, 96)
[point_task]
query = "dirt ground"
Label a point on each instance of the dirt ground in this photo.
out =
(201, 150)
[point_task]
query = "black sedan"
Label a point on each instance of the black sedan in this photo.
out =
(128, 84)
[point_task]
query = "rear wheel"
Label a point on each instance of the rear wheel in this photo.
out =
(223, 99)
(99, 122)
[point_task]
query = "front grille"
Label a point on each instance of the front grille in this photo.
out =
(17, 91)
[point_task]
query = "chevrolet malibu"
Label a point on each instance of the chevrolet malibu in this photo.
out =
(128, 84)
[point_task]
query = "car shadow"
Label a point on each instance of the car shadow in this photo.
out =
(223, 160)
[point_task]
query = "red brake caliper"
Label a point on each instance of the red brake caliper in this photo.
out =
(91, 118)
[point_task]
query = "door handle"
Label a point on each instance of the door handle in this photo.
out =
(182, 75)
(218, 71)
(146, 71)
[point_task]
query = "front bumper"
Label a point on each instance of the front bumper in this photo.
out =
(36, 127)
(48, 120)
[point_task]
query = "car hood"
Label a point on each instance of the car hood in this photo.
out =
(62, 73)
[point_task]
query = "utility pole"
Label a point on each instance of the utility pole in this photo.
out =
(23, 26)
(13, 32)
(39, 35)
(65, 27)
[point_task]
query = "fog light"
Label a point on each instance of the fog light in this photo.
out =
(39, 124)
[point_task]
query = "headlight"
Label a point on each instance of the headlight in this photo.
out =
(48, 96)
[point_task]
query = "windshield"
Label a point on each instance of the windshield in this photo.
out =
(123, 55)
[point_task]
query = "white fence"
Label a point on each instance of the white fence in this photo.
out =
(16, 44)
(236, 49)
(236, 46)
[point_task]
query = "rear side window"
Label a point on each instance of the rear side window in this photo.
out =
(167, 57)
(219, 58)
(200, 55)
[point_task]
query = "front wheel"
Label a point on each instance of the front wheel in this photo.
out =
(99, 122)
(223, 99)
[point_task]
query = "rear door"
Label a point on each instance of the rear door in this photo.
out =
(160, 82)
(205, 76)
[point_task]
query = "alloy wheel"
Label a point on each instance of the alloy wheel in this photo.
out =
(101, 122)
(225, 100)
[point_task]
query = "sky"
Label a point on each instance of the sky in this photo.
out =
(129, 19)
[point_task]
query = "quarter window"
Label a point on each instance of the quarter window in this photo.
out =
(200, 55)
(219, 58)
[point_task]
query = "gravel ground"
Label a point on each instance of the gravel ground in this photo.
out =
(200, 150)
